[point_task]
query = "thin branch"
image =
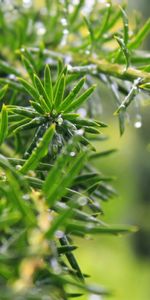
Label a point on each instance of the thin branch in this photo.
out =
(103, 66)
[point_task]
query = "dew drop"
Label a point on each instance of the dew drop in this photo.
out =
(95, 297)
(18, 167)
(40, 28)
(82, 201)
(40, 140)
(64, 37)
(63, 205)
(82, 112)
(59, 234)
(67, 60)
(12, 76)
(138, 121)
(87, 52)
(75, 2)
(26, 197)
(27, 3)
(94, 71)
(89, 226)
(88, 6)
(107, 4)
(27, 154)
(72, 154)
(22, 50)
(60, 121)
(69, 67)
(65, 32)
(95, 55)
(55, 266)
(37, 120)
(80, 132)
(70, 8)
(38, 143)
(49, 61)
(63, 22)
(50, 218)
(62, 2)
(135, 89)
(3, 177)
(138, 124)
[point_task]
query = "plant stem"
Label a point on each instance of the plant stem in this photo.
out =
(103, 66)
(119, 71)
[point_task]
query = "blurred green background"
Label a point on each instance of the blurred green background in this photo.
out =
(123, 263)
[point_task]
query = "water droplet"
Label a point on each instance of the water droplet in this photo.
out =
(38, 143)
(82, 112)
(40, 28)
(3, 177)
(59, 234)
(63, 205)
(95, 297)
(70, 8)
(60, 121)
(63, 22)
(65, 32)
(37, 120)
(95, 55)
(27, 3)
(94, 71)
(87, 8)
(67, 60)
(49, 61)
(27, 154)
(55, 266)
(64, 37)
(40, 139)
(80, 132)
(12, 76)
(135, 90)
(72, 154)
(22, 50)
(87, 52)
(138, 122)
(62, 2)
(75, 2)
(18, 167)
(82, 201)
(69, 67)
(26, 197)
(89, 226)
